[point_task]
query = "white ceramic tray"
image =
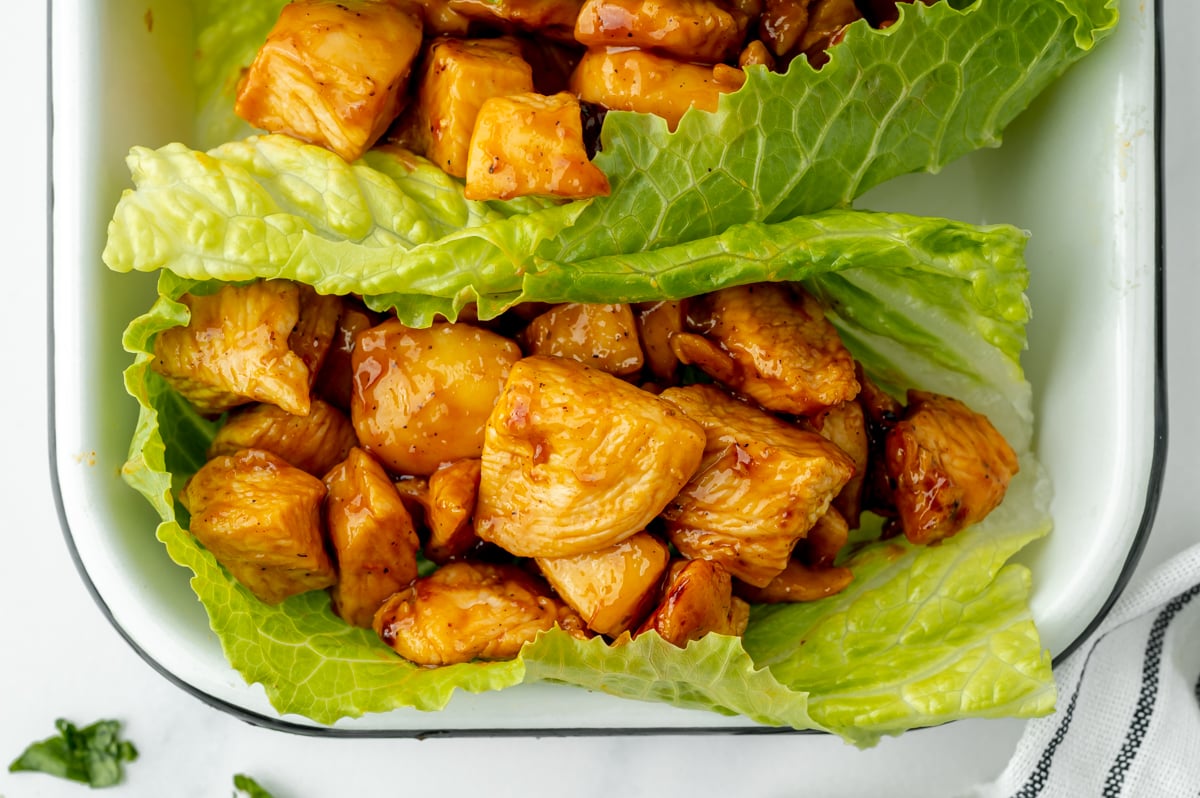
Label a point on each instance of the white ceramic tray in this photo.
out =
(1079, 170)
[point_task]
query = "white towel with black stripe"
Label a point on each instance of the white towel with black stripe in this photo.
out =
(1128, 718)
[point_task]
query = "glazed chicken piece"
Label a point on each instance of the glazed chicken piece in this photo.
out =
(422, 397)
(234, 349)
(792, 27)
(637, 80)
(441, 20)
(827, 21)
(449, 510)
(261, 518)
(333, 72)
(372, 535)
(761, 486)
(531, 144)
(601, 336)
(756, 54)
(771, 343)
(314, 443)
(457, 76)
(825, 540)
(702, 31)
(782, 25)
(465, 611)
(698, 599)
(335, 382)
(798, 582)
(845, 425)
(948, 464)
(551, 18)
(613, 588)
(657, 322)
(575, 460)
(312, 337)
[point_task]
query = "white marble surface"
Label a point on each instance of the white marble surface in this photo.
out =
(60, 658)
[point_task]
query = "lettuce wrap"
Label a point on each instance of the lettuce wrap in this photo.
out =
(759, 190)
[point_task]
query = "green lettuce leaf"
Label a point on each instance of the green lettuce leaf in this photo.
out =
(954, 612)
(393, 228)
(940, 82)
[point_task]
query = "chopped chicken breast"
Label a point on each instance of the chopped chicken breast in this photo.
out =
(575, 460)
(261, 518)
(422, 396)
(698, 599)
(613, 588)
(333, 72)
(465, 611)
(456, 77)
(637, 80)
(845, 425)
(948, 465)
(234, 349)
(703, 31)
(449, 510)
(531, 144)
(761, 486)
(601, 336)
(553, 18)
(314, 443)
(772, 343)
(372, 535)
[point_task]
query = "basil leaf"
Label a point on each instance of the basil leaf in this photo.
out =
(92, 755)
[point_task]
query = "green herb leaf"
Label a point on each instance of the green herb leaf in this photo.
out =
(252, 788)
(92, 755)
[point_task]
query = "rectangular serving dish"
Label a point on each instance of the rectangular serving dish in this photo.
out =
(1079, 170)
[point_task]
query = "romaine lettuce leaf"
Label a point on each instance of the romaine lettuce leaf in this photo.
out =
(944, 80)
(950, 622)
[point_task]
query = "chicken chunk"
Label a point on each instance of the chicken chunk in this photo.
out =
(637, 80)
(845, 425)
(698, 599)
(314, 443)
(826, 21)
(825, 540)
(441, 20)
(760, 488)
(949, 467)
(261, 519)
(335, 383)
(457, 76)
(772, 343)
(601, 336)
(798, 582)
(234, 349)
(333, 72)
(782, 25)
(575, 460)
(465, 611)
(450, 508)
(531, 144)
(422, 397)
(613, 588)
(312, 337)
(552, 18)
(372, 535)
(702, 31)
(657, 322)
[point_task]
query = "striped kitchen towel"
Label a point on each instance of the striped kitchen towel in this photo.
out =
(1128, 718)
